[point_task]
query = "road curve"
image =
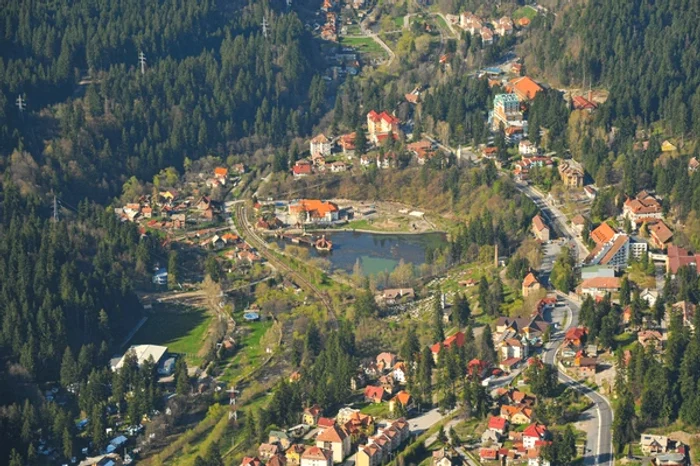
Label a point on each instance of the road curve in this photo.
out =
(599, 441)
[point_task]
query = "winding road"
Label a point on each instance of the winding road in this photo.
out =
(599, 449)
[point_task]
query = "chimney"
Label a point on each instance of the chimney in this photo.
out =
(590, 95)
(495, 255)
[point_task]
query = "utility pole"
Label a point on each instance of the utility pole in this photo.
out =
(21, 103)
(55, 209)
(265, 27)
(142, 62)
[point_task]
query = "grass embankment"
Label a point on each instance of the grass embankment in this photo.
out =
(525, 12)
(252, 353)
(363, 45)
(182, 329)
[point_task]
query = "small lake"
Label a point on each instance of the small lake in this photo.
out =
(377, 252)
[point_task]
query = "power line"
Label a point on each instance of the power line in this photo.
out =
(265, 27)
(21, 103)
(142, 62)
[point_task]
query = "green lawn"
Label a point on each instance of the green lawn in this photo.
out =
(250, 356)
(441, 22)
(182, 329)
(525, 12)
(376, 410)
(398, 22)
(362, 44)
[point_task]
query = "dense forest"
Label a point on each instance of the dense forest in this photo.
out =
(208, 84)
(645, 53)
(212, 83)
(67, 294)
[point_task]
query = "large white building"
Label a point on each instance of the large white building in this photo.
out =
(143, 353)
(616, 252)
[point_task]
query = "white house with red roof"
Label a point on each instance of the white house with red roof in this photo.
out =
(381, 125)
(315, 456)
(498, 424)
(336, 440)
(533, 434)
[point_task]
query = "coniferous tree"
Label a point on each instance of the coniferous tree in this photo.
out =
(487, 352)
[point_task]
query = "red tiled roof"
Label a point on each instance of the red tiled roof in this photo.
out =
(529, 280)
(535, 430)
(332, 434)
(497, 423)
(581, 103)
(377, 117)
(606, 283)
(525, 87)
(538, 223)
(603, 233)
(375, 393)
(680, 257)
(661, 232)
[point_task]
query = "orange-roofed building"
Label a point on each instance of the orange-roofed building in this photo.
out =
(221, 173)
(575, 336)
(402, 398)
(336, 440)
(457, 339)
(374, 394)
(603, 233)
(525, 88)
(313, 211)
(530, 285)
(540, 229)
(599, 286)
(660, 235)
(315, 456)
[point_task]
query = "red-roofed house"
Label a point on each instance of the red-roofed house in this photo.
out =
(540, 229)
(374, 394)
(660, 235)
(488, 454)
(599, 286)
(302, 168)
(324, 422)
(534, 433)
(575, 336)
(530, 285)
(251, 461)
(456, 339)
(379, 124)
(581, 103)
(525, 88)
(603, 233)
(680, 257)
(498, 424)
(315, 456)
(336, 440)
(643, 207)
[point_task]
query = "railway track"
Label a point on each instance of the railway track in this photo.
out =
(262, 247)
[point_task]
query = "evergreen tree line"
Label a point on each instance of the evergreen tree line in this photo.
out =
(190, 102)
(67, 299)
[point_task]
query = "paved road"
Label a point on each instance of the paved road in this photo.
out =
(599, 439)
(556, 218)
